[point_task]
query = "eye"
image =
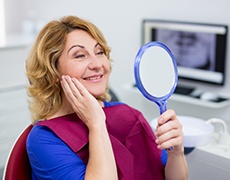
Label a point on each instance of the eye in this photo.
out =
(79, 56)
(100, 53)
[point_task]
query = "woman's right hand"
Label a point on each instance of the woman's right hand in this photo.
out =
(83, 103)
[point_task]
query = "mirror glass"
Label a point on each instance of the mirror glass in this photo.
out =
(156, 73)
(156, 70)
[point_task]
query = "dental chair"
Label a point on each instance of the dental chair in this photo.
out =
(18, 165)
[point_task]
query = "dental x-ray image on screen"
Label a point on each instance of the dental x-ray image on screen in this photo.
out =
(191, 49)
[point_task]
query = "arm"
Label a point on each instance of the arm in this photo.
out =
(169, 134)
(101, 164)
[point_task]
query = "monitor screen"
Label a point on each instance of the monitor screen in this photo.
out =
(199, 49)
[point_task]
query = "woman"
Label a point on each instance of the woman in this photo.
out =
(78, 133)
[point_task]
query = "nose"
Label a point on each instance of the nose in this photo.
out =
(95, 62)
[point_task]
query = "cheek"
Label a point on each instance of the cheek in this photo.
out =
(107, 66)
(108, 70)
(71, 69)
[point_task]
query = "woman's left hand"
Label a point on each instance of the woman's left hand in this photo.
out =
(169, 132)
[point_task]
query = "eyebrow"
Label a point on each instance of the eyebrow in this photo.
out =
(80, 46)
(75, 46)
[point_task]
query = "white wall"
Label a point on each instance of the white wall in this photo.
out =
(120, 22)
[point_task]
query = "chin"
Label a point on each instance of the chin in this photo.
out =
(96, 94)
(96, 91)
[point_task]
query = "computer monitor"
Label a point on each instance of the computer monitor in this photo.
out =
(199, 48)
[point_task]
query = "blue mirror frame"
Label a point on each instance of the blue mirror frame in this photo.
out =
(160, 101)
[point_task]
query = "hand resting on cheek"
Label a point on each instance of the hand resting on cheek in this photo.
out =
(83, 103)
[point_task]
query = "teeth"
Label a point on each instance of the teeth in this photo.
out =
(93, 78)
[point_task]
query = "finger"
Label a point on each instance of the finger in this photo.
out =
(169, 139)
(174, 133)
(170, 125)
(73, 87)
(65, 86)
(175, 142)
(166, 116)
(81, 89)
(70, 91)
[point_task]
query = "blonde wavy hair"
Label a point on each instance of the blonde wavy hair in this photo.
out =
(44, 91)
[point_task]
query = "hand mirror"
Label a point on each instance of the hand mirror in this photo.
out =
(156, 73)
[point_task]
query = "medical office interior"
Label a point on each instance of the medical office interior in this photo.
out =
(121, 22)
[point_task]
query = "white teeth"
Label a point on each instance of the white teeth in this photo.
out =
(93, 78)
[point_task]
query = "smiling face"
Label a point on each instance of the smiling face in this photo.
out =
(84, 59)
